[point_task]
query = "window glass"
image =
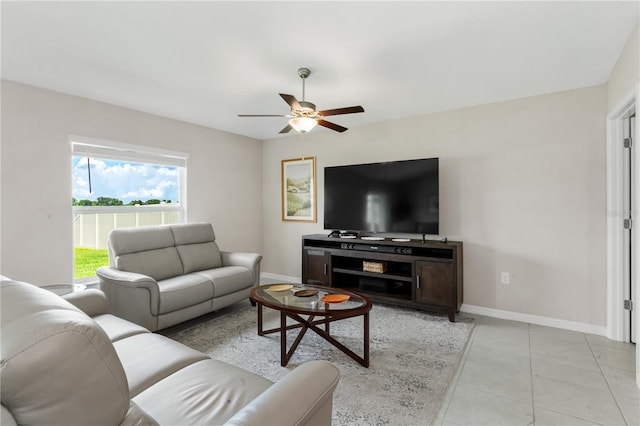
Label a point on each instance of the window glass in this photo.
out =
(129, 189)
(98, 182)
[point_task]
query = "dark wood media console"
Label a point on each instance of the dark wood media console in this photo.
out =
(424, 275)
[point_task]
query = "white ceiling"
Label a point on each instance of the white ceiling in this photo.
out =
(206, 62)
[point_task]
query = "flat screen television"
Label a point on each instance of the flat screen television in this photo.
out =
(390, 197)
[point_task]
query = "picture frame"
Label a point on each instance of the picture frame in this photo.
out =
(299, 189)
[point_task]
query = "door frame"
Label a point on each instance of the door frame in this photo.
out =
(615, 216)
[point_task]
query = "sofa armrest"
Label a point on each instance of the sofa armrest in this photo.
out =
(92, 302)
(307, 392)
(251, 261)
(114, 281)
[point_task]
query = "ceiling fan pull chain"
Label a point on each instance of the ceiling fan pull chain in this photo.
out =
(89, 173)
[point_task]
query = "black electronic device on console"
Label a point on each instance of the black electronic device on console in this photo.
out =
(343, 234)
(374, 247)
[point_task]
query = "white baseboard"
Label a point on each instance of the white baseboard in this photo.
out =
(535, 319)
(284, 278)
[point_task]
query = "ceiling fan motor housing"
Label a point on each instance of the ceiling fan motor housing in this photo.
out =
(307, 107)
(304, 72)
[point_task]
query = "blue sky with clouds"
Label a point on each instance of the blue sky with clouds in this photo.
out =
(126, 181)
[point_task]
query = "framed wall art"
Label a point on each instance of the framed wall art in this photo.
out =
(299, 189)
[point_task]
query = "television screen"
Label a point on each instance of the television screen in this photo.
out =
(391, 197)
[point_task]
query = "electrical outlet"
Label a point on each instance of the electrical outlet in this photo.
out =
(505, 278)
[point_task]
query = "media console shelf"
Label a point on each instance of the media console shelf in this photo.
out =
(425, 275)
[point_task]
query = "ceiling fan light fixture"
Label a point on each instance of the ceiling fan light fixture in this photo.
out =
(302, 124)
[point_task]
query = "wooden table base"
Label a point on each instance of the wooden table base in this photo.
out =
(312, 323)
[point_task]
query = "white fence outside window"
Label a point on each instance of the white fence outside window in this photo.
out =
(91, 229)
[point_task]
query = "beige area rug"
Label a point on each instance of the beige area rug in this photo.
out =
(413, 356)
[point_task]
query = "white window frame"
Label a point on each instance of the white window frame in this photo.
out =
(82, 146)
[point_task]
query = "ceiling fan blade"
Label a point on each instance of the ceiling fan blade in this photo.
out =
(286, 129)
(338, 111)
(291, 100)
(332, 126)
(262, 115)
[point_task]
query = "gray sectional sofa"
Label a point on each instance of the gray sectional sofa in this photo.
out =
(69, 362)
(159, 276)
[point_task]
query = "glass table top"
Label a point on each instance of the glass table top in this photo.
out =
(309, 298)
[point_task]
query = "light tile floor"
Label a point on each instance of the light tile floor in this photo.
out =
(515, 373)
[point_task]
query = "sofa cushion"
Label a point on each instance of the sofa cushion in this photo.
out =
(6, 418)
(48, 348)
(138, 417)
(184, 291)
(228, 279)
(197, 257)
(208, 392)
(149, 358)
(192, 233)
(38, 300)
(144, 238)
(158, 264)
(118, 328)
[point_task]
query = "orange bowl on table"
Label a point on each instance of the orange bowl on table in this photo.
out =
(335, 298)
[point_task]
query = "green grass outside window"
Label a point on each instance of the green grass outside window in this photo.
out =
(88, 260)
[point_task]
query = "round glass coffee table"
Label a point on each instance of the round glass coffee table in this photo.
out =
(62, 289)
(321, 305)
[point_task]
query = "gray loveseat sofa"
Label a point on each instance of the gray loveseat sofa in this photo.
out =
(160, 276)
(69, 362)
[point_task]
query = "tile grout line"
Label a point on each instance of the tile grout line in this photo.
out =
(533, 397)
(533, 405)
(604, 376)
(458, 374)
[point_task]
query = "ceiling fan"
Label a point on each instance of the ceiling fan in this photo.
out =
(304, 116)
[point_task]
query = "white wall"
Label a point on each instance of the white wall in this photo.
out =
(224, 175)
(626, 73)
(522, 184)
